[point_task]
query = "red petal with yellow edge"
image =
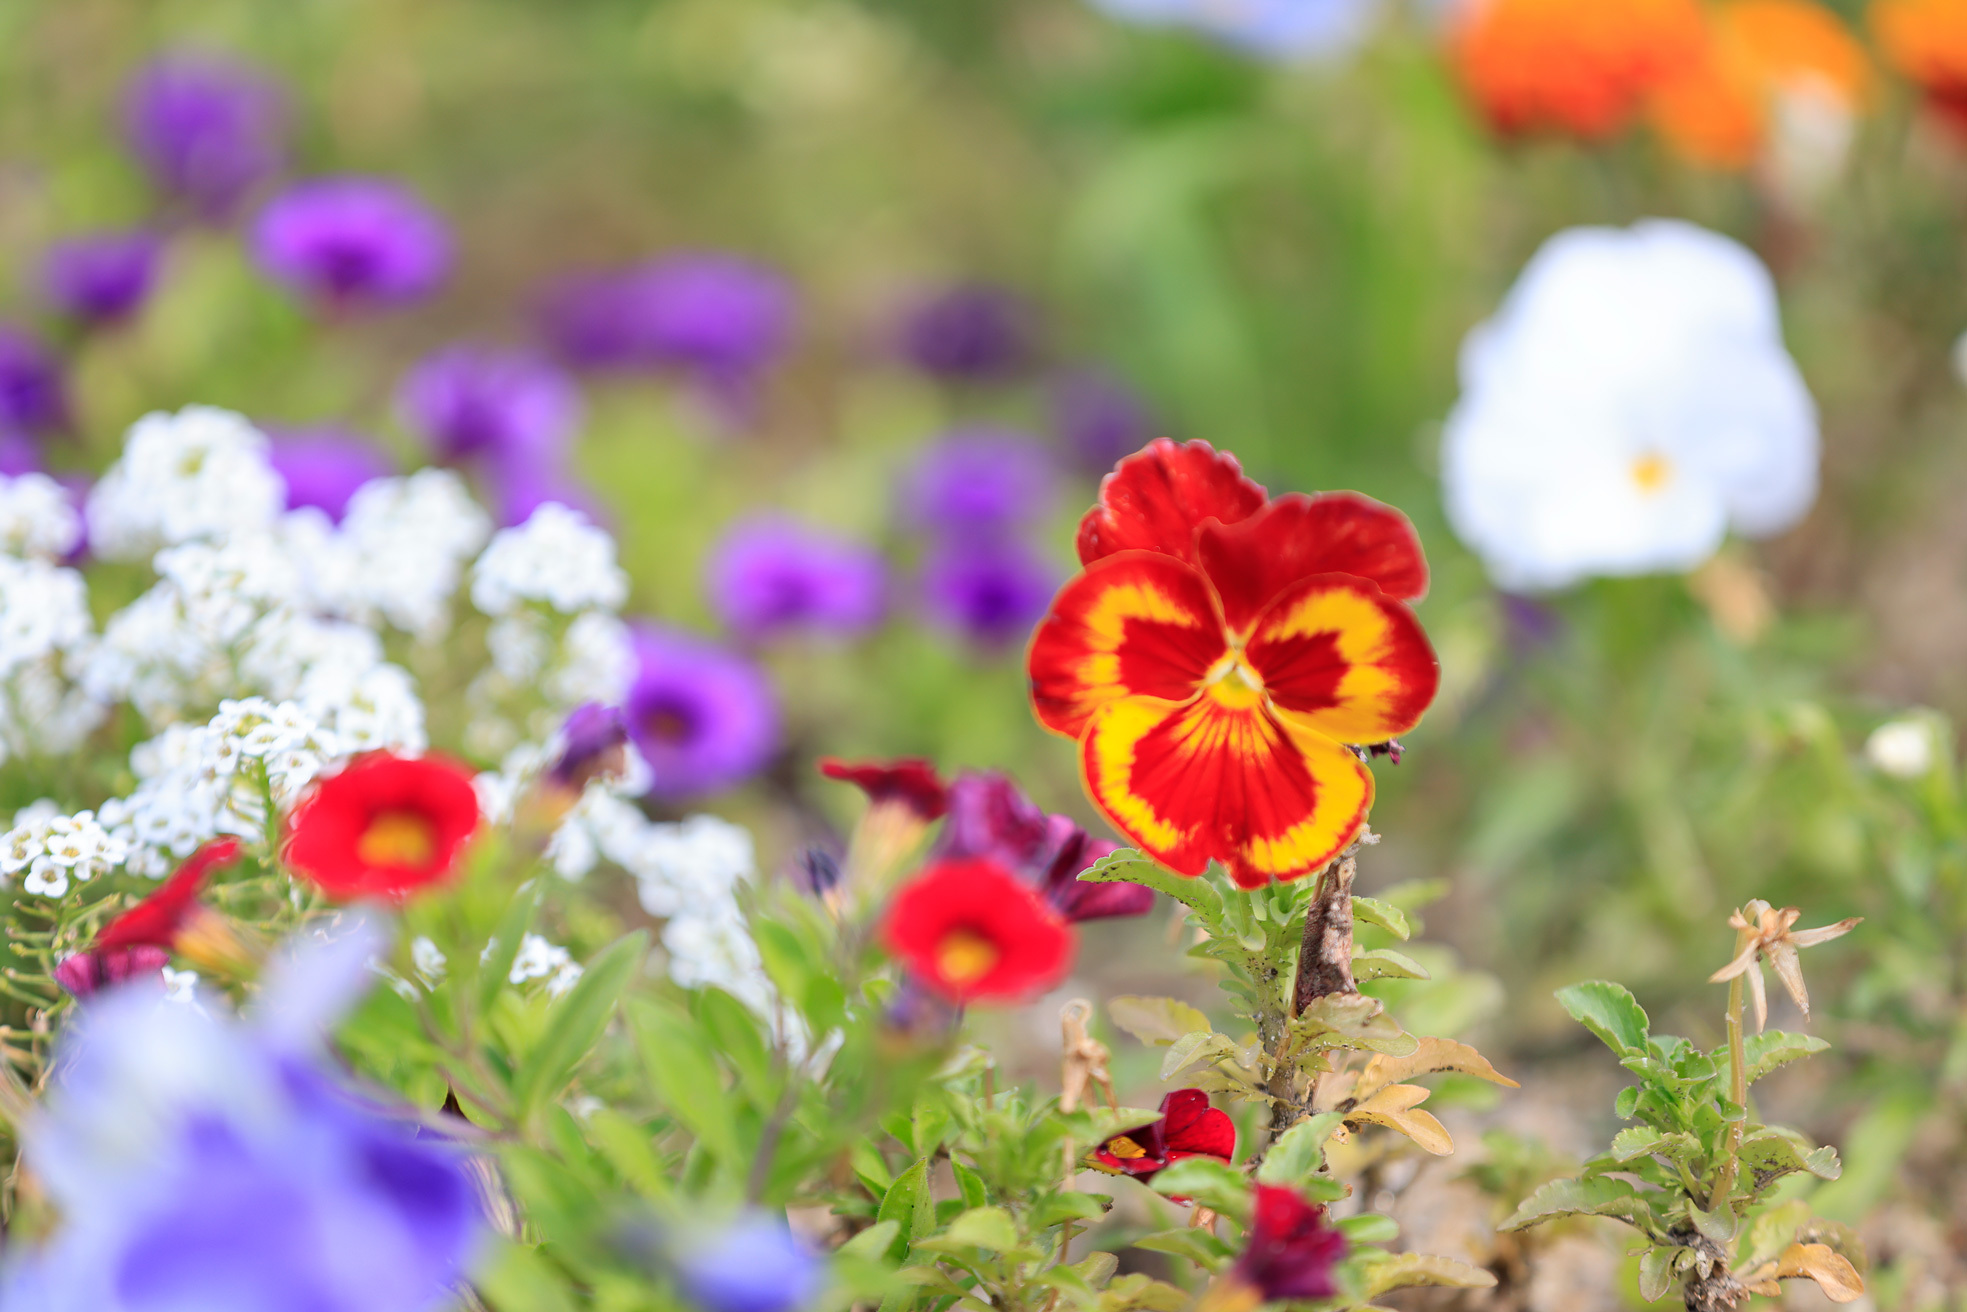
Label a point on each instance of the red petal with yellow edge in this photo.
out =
(1154, 499)
(1297, 536)
(1345, 660)
(1193, 783)
(1137, 624)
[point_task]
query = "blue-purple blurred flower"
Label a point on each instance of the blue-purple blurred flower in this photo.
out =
(1271, 29)
(991, 590)
(516, 488)
(754, 1265)
(979, 480)
(202, 1162)
(352, 241)
(322, 467)
(33, 397)
(970, 333)
(593, 742)
(770, 575)
(101, 277)
(702, 716)
(206, 128)
(477, 402)
(989, 816)
(1098, 420)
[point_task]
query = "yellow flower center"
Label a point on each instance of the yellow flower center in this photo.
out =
(965, 956)
(397, 838)
(1125, 1149)
(1234, 685)
(1652, 472)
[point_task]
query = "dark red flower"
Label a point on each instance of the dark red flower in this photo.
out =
(384, 827)
(970, 930)
(989, 816)
(1189, 1127)
(140, 941)
(911, 781)
(1291, 1251)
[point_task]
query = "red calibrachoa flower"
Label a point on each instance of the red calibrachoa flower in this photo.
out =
(1189, 1127)
(911, 781)
(972, 931)
(1289, 1257)
(1220, 651)
(1584, 69)
(384, 827)
(140, 941)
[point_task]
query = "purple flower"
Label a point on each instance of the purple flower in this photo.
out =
(101, 277)
(516, 488)
(19, 455)
(592, 741)
(33, 398)
(718, 316)
(206, 128)
(754, 1266)
(979, 480)
(470, 402)
(1270, 29)
(989, 590)
(345, 241)
(989, 816)
(703, 717)
(769, 575)
(323, 467)
(969, 333)
(1098, 420)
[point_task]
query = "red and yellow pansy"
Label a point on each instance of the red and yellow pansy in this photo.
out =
(1220, 654)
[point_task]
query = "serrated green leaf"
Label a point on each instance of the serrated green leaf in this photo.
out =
(1157, 1021)
(1635, 1141)
(1384, 914)
(1772, 1051)
(1406, 1270)
(1385, 963)
(1128, 866)
(577, 1022)
(1770, 1157)
(1300, 1151)
(1609, 1011)
(1601, 1196)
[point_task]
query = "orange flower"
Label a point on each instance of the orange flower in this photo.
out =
(1579, 66)
(1758, 53)
(1219, 653)
(1927, 41)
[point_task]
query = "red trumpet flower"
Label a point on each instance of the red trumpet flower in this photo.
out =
(972, 931)
(1289, 1257)
(141, 940)
(911, 781)
(384, 827)
(1189, 1127)
(1221, 651)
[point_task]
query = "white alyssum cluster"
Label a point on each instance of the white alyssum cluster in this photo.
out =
(36, 518)
(199, 473)
(1629, 405)
(556, 557)
(401, 552)
(539, 959)
(46, 640)
(46, 849)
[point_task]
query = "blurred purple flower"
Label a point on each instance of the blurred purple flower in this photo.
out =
(469, 402)
(979, 480)
(990, 590)
(768, 575)
(346, 241)
(205, 127)
(323, 467)
(1270, 29)
(33, 398)
(702, 716)
(720, 317)
(201, 1162)
(19, 454)
(989, 816)
(103, 276)
(516, 488)
(1098, 420)
(592, 742)
(755, 1265)
(970, 333)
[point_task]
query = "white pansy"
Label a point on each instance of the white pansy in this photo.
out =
(556, 557)
(1629, 405)
(539, 959)
(46, 849)
(199, 473)
(37, 518)
(1905, 748)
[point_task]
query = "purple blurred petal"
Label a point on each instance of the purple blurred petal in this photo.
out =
(101, 277)
(206, 128)
(348, 241)
(323, 467)
(769, 574)
(703, 717)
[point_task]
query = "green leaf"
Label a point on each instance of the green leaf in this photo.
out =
(1772, 1051)
(630, 1149)
(1635, 1141)
(682, 1069)
(872, 1243)
(1384, 914)
(496, 965)
(1770, 1157)
(969, 1184)
(1149, 1295)
(1128, 866)
(1385, 963)
(1656, 1273)
(1070, 1205)
(1386, 1271)
(1209, 1182)
(578, 1021)
(910, 1207)
(1370, 1228)
(518, 1279)
(1601, 1196)
(1201, 1247)
(1300, 1151)
(1193, 1049)
(1156, 1021)
(1352, 1020)
(1096, 1269)
(1719, 1225)
(1609, 1011)
(985, 1227)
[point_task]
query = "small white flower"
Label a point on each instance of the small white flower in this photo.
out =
(539, 959)
(556, 557)
(36, 518)
(402, 549)
(52, 849)
(1628, 405)
(181, 986)
(428, 959)
(1903, 749)
(200, 473)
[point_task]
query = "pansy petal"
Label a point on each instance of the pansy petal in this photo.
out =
(1297, 536)
(1154, 499)
(1350, 663)
(1193, 1128)
(1207, 781)
(1133, 625)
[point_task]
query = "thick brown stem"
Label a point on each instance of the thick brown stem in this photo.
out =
(1325, 959)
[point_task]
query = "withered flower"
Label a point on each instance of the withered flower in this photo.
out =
(1761, 931)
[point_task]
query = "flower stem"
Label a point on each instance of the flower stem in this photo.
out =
(1724, 1180)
